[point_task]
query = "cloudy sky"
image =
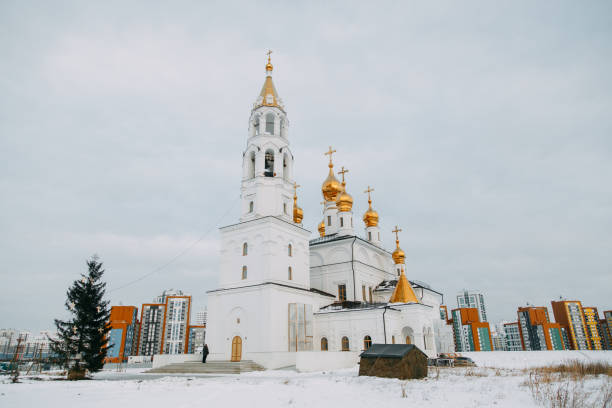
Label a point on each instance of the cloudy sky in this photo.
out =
(484, 127)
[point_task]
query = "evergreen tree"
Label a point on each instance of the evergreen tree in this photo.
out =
(85, 333)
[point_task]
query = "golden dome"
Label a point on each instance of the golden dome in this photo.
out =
(344, 201)
(370, 217)
(298, 213)
(322, 228)
(331, 186)
(398, 255)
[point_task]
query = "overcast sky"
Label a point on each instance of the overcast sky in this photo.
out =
(484, 127)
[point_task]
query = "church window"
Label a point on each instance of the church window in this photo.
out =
(245, 249)
(290, 273)
(369, 235)
(345, 344)
(367, 342)
(329, 220)
(257, 125)
(285, 208)
(290, 250)
(379, 235)
(324, 345)
(363, 293)
(341, 221)
(370, 294)
(270, 123)
(341, 293)
(251, 205)
(244, 272)
(269, 163)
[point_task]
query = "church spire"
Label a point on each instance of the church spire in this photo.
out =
(403, 292)
(268, 95)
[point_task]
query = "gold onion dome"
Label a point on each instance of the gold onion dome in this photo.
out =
(370, 217)
(403, 292)
(322, 228)
(344, 202)
(398, 255)
(331, 187)
(298, 213)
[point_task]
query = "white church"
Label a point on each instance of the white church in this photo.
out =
(282, 294)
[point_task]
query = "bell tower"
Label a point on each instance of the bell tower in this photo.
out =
(267, 166)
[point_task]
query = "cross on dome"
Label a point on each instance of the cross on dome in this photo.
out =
(329, 153)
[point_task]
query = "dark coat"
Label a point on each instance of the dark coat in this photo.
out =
(205, 350)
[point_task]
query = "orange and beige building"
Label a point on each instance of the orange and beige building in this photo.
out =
(570, 316)
(470, 334)
(591, 321)
(536, 330)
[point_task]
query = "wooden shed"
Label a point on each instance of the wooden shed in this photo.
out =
(403, 361)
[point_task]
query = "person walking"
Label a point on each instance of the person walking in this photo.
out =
(204, 353)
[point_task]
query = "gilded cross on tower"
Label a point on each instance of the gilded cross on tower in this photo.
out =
(342, 172)
(369, 190)
(330, 152)
(397, 230)
(268, 53)
(295, 187)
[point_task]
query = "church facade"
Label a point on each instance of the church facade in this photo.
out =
(281, 292)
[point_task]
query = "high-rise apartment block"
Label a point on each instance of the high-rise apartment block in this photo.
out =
(513, 336)
(151, 328)
(200, 317)
(176, 332)
(197, 336)
(569, 314)
(469, 332)
(591, 320)
(536, 330)
(123, 336)
(472, 299)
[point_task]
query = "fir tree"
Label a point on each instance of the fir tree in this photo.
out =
(85, 333)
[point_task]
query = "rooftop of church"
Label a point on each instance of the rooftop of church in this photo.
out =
(336, 237)
(352, 306)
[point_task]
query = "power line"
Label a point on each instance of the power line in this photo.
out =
(177, 256)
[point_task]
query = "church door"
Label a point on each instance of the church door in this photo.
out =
(408, 340)
(236, 348)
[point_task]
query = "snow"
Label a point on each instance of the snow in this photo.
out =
(457, 387)
(530, 359)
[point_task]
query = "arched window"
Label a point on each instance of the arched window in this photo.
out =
(244, 272)
(289, 250)
(286, 167)
(345, 344)
(369, 235)
(290, 273)
(341, 222)
(270, 123)
(245, 249)
(269, 163)
(367, 342)
(251, 205)
(256, 125)
(324, 346)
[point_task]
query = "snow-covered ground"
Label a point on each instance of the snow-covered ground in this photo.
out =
(456, 387)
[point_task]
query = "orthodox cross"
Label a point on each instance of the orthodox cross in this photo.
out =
(342, 172)
(369, 190)
(330, 152)
(295, 187)
(397, 230)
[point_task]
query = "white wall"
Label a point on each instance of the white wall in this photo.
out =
(306, 361)
(160, 360)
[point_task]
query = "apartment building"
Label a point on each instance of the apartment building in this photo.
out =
(536, 330)
(569, 315)
(123, 336)
(470, 334)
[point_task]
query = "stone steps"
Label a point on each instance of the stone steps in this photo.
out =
(211, 367)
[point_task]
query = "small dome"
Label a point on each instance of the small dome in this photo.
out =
(298, 214)
(370, 218)
(322, 228)
(398, 255)
(331, 186)
(344, 202)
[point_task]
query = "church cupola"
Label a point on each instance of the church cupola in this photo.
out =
(398, 255)
(344, 203)
(268, 95)
(370, 218)
(403, 292)
(298, 213)
(331, 189)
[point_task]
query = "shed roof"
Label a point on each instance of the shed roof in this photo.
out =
(389, 350)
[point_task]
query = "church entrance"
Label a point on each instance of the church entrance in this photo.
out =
(236, 348)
